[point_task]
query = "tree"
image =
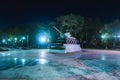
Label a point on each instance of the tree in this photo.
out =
(72, 23)
(111, 31)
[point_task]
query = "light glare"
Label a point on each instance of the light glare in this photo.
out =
(3, 41)
(102, 36)
(42, 61)
(42, 39)
(23, 38)
(15, 39)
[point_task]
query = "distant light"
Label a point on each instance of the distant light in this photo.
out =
(117, 36)
(23, 62)
(105, 36)
(102, 36)
(3, 41)
(15, 59)
(15, 39)
(23, 38)
(43, 39)
(3, 54)
(8, 54)
(9, 39)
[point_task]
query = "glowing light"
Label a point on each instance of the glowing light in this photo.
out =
(9, 39)
(23, 38)
(23, 62)
(43, 39)
(3, 41)
(106, 36)
(3, 54)
(8, 54)
(42, 61)
(117, 36)
(15, 59)
(15, 39)
(102, 36)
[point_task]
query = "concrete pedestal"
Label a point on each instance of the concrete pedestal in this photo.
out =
(72, 48)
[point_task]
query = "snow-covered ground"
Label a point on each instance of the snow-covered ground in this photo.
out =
(43, 64)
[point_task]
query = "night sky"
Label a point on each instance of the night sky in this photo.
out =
(14, 12)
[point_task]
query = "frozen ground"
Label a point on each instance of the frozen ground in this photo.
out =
(55, 65)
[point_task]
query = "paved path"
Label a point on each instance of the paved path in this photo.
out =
(36, 63)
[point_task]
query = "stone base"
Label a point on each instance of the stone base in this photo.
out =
(72, 48)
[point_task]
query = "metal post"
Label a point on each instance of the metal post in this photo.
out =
(27, 41)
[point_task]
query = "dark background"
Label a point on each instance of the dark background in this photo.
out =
(18, 12)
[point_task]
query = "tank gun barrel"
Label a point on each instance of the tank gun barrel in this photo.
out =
(61, 34)
(57, 30)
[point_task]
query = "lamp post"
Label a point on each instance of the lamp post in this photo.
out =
(28, 41)
(105, 37)
(23, 40)
(9, 42)
(4, 42)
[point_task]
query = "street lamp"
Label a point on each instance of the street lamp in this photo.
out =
(9, 40)
(102, 36)
(3, 41)
(23, 38)
(43, 39)
(15, 39)
(105, 38)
